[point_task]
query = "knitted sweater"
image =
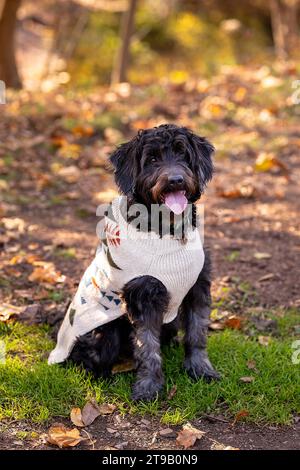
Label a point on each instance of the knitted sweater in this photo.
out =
(126, 253)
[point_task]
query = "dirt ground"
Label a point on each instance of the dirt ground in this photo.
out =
(132, 433)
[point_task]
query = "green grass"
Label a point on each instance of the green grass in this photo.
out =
(30, 389)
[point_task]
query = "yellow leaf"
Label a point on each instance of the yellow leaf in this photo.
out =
(46, 273)
(267, 161)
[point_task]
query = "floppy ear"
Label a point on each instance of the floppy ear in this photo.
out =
(124, 161)
(202, 154)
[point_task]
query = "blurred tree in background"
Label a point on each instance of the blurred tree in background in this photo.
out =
(8, 68)
(98, 41)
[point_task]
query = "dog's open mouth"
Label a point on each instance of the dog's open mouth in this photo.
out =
(176, 201)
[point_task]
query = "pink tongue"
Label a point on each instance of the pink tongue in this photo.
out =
(176, 202)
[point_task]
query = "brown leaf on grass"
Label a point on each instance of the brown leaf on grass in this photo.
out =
(216, 326)
(247, 379)
(87, 415)
(235, 323)
(264, 340)
(107, 408)
(172, 392)
(239, 416)
(125, 366)
(8, 310)
(188, 436)
(60, 436)
(45, 272)
(90, 412)
(251, 364)
(76, 417)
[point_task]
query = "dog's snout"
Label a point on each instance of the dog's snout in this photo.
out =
(175, 180)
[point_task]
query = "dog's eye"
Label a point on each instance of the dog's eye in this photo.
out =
(153, 159)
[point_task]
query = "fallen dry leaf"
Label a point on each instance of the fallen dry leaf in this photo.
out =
(60, 436)
(69, 174)
(240, 415)
(235, 323)
(90, 412)
(251, 364)
(125, 366)
(259, 255)
(172, 392)
(15, 224)
(83, 131)
(76, 417)
(7, 311)
(264, 340)
(247, 380)
(216, 326)
(188, 436)
(267, 161)
(45, 272)
(244, 191)
(107, 408)
(266, 277)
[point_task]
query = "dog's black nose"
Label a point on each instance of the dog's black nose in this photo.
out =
(175, 180)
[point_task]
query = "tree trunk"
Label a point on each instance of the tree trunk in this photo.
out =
(278, 29)
(119, 73)
(285, 28)
(8, 67)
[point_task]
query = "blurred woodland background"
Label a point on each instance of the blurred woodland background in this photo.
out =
(86, 42)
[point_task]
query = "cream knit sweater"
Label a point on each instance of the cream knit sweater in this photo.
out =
(127, 253)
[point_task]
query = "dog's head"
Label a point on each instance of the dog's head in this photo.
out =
(167, 164)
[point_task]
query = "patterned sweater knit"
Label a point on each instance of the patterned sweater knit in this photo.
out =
(124, 254)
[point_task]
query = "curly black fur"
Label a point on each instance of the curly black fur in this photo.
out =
(156, 161)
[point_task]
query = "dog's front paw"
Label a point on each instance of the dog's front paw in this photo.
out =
(198, 365)
(146, 389)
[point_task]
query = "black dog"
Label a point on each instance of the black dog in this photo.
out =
(155, 163)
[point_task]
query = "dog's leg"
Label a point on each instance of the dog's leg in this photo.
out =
(98, 350)
(147, 300)
(196, 311)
